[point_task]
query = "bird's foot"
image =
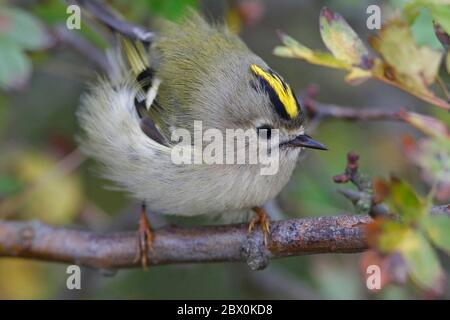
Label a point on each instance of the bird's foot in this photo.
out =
(145, 239)
(261, 218)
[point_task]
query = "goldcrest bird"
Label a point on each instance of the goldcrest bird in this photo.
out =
(193, 71)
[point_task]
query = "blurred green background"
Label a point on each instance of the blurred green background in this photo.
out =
(37, 135)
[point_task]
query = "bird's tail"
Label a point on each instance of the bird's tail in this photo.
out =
(112, 127)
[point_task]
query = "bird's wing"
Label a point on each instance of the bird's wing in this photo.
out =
(147, 86)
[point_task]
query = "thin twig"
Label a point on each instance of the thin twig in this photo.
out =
(319, 110)
(84, 47)
(347, 113)
(107, 17)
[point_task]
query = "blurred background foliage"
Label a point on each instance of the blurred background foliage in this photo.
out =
(43, 176)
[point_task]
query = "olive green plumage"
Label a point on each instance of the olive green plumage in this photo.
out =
(200, 72)
(203, 70)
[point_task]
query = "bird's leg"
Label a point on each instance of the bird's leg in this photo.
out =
(145, 238)
(261, 218)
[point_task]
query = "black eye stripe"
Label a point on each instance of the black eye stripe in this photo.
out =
(274, 99)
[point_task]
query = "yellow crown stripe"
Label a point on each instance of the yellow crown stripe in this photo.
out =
(283, 90)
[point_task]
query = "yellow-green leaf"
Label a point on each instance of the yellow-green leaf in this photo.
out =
(56, 197)
(294, 49)
(412, 67)
(423, 264)
(405, 202)
(342, 40)
(25, 279)
(431, 60)
(357, 76)
(438, 230)
(391, 235)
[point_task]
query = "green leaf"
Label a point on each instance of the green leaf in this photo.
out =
(51, 12)
(423, 264)
(438, 230)
(439, 10)
(15, 67)
(405, 202)
(342, 40)
(423, 30)
(171, 9)
(23, 29)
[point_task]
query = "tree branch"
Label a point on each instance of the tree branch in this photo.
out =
(36, 240)
(337, 234)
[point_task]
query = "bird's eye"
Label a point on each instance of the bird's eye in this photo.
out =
(265, 128)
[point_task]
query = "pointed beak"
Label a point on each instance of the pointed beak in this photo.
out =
(306, 141)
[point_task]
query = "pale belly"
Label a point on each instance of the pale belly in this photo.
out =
(218, 189)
